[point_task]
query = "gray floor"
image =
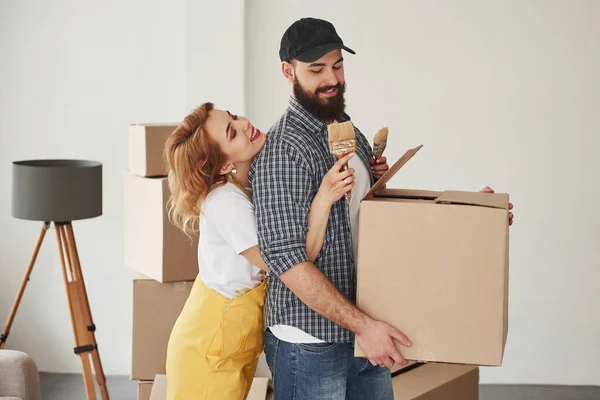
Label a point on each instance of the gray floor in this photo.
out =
(70, 386)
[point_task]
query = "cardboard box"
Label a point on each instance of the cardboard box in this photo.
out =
(437, 382)
(156, 307)
(146, 146)
(435, 266)
(159, 389)
(144, 390)
(397, 368)
(153, 245)
(258, 390)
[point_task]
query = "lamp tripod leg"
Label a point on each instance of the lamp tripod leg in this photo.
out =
(86, 310)
(83, 326)
(15, 306)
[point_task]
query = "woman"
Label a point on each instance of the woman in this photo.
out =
(215, 344)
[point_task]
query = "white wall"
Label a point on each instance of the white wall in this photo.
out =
(215, 54)
(500, 93)
(73, 76)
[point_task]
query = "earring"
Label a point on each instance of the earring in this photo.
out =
(234, 171)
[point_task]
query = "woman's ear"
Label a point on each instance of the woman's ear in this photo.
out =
(288, 71)
(226, 168)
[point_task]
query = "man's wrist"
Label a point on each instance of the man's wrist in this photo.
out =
(361, 323)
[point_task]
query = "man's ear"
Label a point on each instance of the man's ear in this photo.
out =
(288, 71)
(226, 168)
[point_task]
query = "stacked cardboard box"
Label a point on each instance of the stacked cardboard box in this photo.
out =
(436, 381)
(259, 390)
(153, 245)
(164, 257)
(144, 390)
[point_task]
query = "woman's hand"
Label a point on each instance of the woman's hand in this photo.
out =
(335, 183)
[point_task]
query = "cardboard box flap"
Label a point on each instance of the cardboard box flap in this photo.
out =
(493, 200)
(392, 171)
(416, 194)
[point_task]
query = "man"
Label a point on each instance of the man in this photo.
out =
(310, 312)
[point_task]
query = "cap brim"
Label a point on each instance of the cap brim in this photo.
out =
(313, 55)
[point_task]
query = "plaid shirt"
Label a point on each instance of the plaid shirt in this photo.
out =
(285, 177)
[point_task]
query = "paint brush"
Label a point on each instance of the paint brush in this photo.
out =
(379, 142)
(342, 141)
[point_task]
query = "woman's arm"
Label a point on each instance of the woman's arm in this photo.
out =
(334, 185)
(253, 255)
(317, 225)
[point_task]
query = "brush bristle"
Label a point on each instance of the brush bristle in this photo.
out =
(381, 135)
(341, 131)
(380, 142)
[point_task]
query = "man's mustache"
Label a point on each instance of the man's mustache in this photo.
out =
(326, 88)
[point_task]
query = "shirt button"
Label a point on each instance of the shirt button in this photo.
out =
(227, 306)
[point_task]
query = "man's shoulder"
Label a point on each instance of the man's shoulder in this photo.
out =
(288, 133)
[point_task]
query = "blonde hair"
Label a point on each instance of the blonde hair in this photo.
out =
(194, 162)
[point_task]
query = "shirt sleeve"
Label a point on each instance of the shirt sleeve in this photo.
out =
(282, 193)
(232, 215)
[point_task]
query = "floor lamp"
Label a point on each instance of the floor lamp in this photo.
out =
(57, 192)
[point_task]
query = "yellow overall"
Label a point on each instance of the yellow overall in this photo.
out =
(215, 344)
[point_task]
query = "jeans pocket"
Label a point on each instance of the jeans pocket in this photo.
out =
(317, 347)
(271, 346)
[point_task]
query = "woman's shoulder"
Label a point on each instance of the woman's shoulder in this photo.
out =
(224, 195)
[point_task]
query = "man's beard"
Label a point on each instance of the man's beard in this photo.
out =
(325, 109)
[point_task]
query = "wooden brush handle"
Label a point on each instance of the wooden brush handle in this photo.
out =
(348, 195)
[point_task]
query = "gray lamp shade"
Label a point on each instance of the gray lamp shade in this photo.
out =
(56, 190)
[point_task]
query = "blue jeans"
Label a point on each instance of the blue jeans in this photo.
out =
(323, 371)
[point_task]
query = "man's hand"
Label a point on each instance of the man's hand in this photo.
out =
(379, 167)
(376, 341)
(488, 189)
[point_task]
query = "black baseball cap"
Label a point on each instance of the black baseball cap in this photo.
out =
(309, 39)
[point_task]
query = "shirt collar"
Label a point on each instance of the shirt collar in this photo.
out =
(308, 119)
(305, 118)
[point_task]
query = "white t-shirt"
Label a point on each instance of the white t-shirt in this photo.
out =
(363, 185)
(227, 228)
